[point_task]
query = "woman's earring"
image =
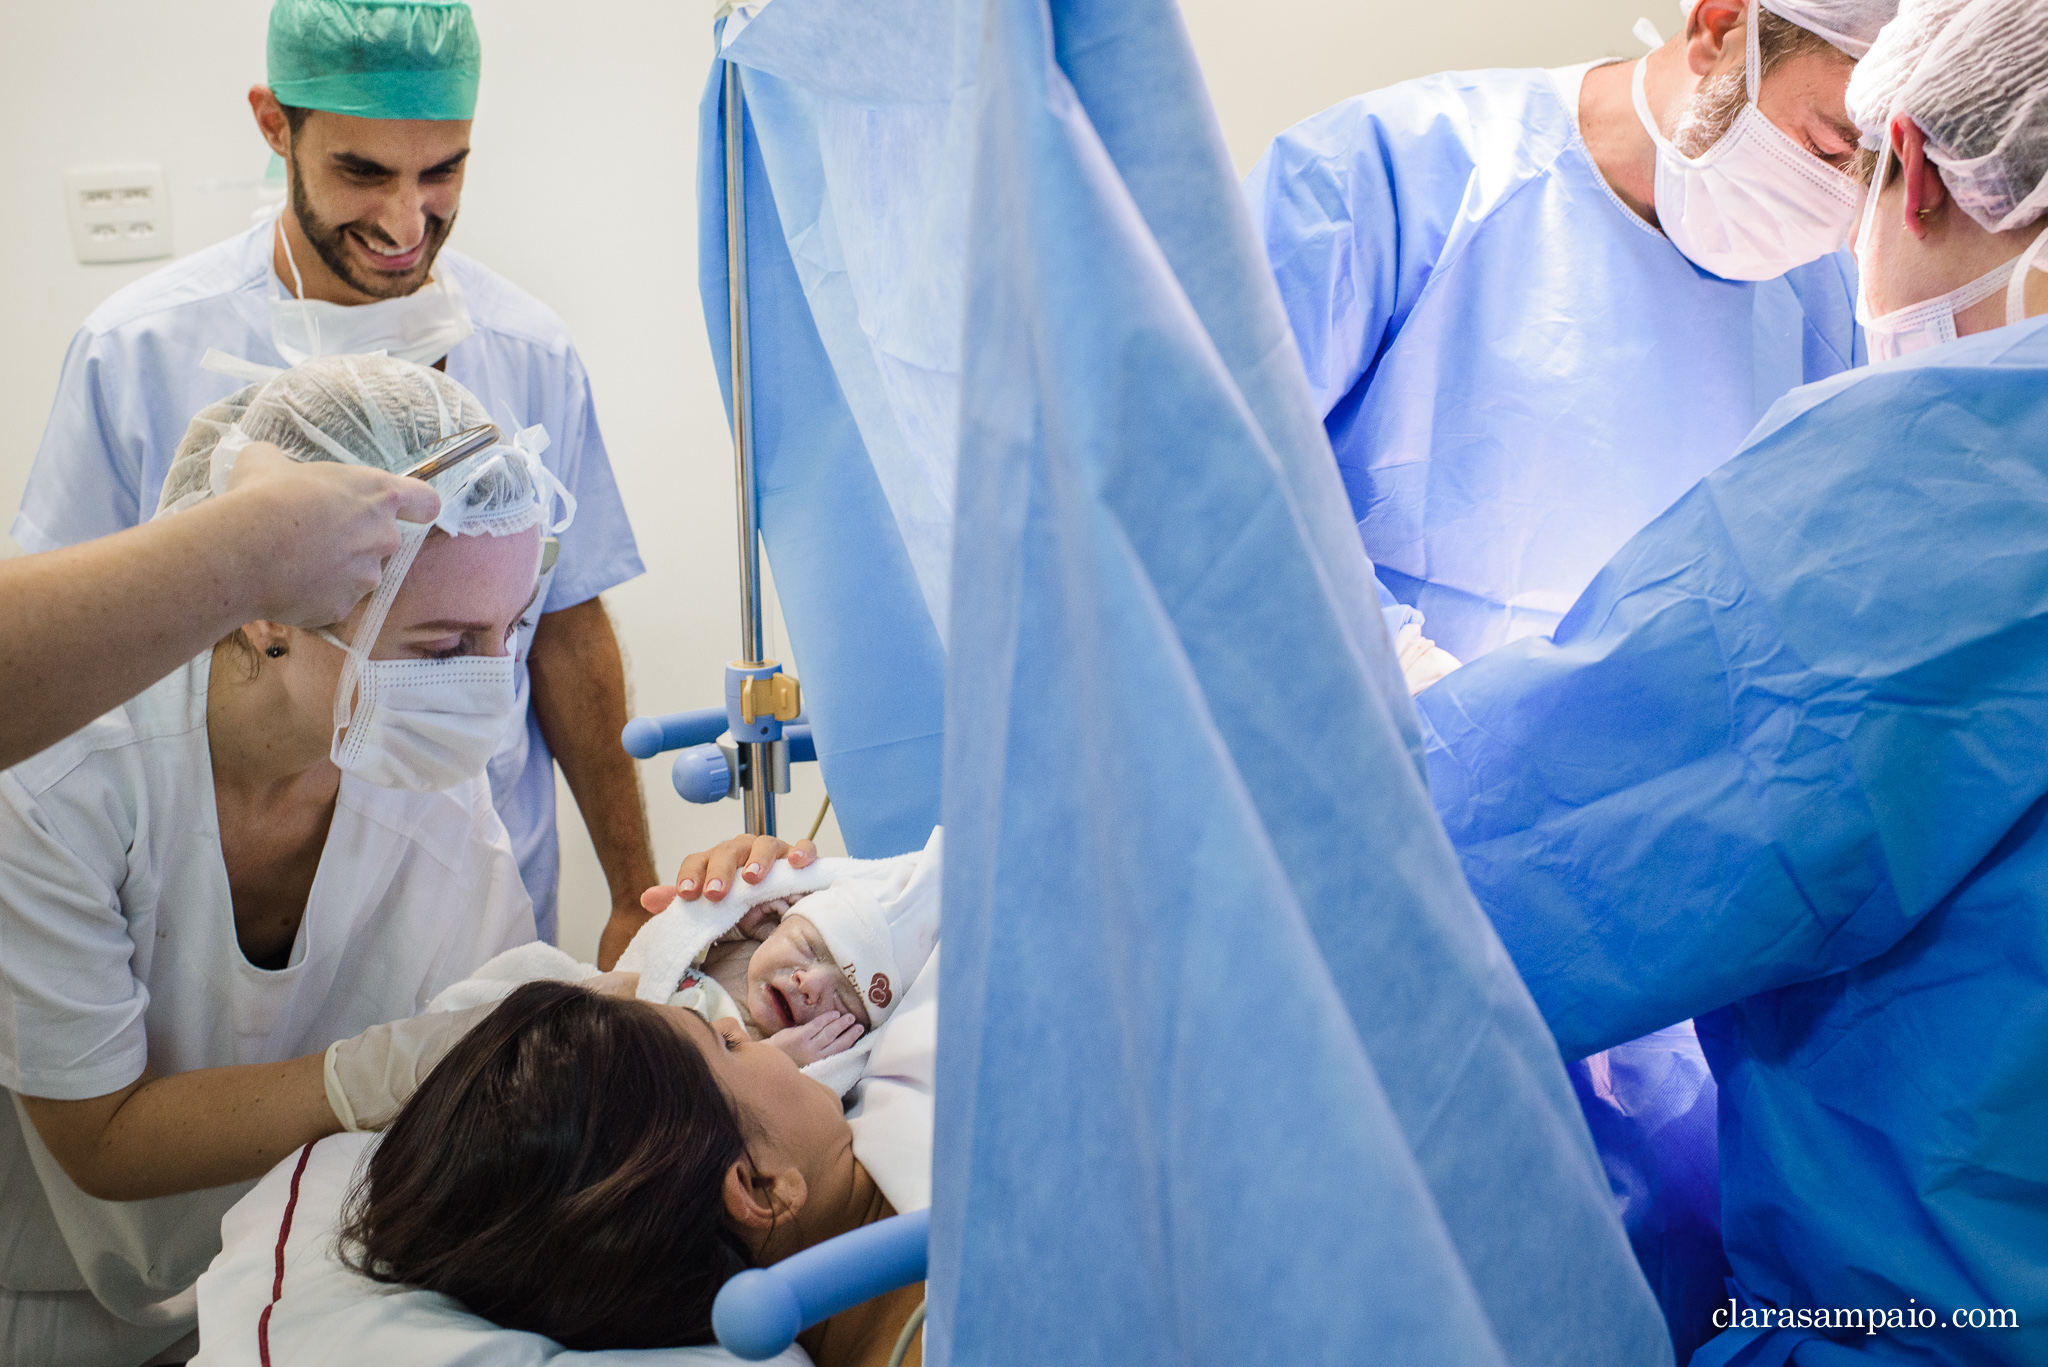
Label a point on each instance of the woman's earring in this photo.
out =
(275, 652)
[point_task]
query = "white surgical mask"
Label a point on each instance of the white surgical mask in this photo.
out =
(1932, 322)
(1756, 203)
(426, 725)
(421, 327)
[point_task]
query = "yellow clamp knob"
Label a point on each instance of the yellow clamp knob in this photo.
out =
(779, 696)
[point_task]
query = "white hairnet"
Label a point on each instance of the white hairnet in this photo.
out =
(1850, 25)
(1973, 74)
(378, 411)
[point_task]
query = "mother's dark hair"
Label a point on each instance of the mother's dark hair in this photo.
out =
(561, 1171)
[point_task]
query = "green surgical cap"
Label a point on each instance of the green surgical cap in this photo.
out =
(376, 59)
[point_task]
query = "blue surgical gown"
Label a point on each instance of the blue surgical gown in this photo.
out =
(1517, 372)
(132, 381)
(1783, 769)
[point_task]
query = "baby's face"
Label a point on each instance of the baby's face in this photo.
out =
(792, 980)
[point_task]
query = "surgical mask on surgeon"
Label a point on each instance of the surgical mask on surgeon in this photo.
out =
(1931, 322)
(1755, 204)
(427, 725)
(421, 327)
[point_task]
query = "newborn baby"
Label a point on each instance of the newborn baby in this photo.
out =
(774, 973)
(817, 982)
(813, 960)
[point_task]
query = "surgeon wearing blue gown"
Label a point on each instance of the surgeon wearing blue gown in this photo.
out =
(1782, 766)
(370, 105)
(1536, 311)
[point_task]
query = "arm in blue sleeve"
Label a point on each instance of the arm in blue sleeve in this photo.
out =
(1656, 809)
(1323, 201)
(84, 484)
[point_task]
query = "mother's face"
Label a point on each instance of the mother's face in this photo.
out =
(786, 1114)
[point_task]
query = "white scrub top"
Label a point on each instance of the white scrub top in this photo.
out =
(132, 381)
(118, 949)
(1517, 373)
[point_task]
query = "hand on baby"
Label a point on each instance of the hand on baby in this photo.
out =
(711, 873)
(821, 1037)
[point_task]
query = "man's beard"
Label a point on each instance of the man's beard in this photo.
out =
(327, 241)
(1710, 113)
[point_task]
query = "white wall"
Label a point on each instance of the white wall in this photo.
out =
(581, 189)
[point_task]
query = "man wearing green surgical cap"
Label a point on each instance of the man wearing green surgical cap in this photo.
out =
(369, 103)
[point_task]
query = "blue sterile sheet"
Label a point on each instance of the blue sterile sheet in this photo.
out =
(1232, 1067)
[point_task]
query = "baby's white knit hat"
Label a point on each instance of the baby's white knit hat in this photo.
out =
(881, 922)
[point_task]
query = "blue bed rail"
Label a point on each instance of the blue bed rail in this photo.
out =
(760, 1312)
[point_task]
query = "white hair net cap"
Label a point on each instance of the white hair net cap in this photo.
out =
(377, 411)
(1851, 25)
(1973, 74)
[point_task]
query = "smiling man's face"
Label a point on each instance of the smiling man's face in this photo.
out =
(376, 198)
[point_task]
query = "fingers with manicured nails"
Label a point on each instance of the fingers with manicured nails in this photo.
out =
(767, 849)
(689, 884)
(761, 857)
(711, 874)
(722, 863)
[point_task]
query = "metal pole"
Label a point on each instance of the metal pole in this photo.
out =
(757, 768)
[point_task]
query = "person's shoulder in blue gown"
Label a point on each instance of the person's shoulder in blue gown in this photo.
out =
(1357, 203)
(1781, 768)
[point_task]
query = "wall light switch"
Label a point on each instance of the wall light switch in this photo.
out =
(119, 213)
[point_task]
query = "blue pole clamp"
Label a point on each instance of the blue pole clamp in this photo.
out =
(646, 737)
(773, 701)
(702, 774)
(760, 1311)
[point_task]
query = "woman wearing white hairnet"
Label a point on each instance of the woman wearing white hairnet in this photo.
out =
(1781, 768)
(277, 848)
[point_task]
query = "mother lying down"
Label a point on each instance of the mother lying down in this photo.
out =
(653, 1147)
(653, 1154)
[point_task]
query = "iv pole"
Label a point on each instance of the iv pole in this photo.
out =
(750, 758)
(759, 697)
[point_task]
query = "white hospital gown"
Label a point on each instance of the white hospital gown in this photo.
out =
(132, 381)
(118, 950)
